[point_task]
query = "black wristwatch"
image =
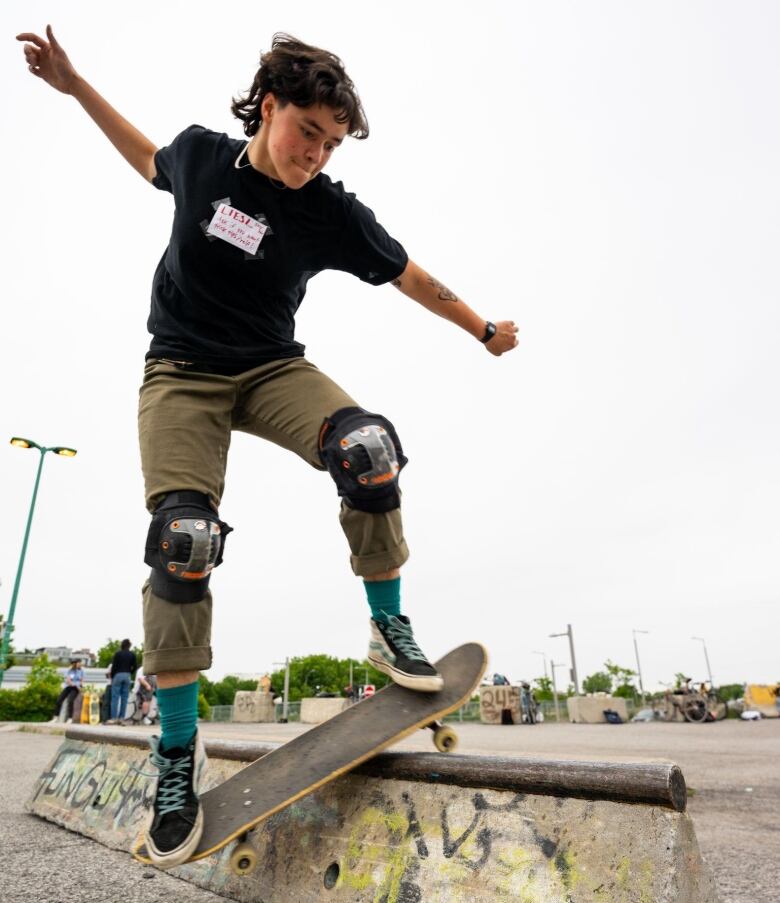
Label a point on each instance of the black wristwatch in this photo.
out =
(490, 331)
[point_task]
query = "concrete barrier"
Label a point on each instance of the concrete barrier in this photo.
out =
(499, 704)
(590, 709)
(252, 707)
(316, 709)
(409, 827)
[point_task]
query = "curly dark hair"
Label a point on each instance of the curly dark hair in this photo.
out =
(303, 75)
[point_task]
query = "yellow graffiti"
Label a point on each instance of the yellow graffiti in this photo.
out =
(394, 860)
(623, 873)
(646, 882)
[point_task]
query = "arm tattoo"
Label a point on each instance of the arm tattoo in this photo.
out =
(397, 282)
(444, 293)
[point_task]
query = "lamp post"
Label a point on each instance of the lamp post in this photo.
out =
(553, 666)
(574, 679)
(286, 692)
(18, 442)
(544, 659)
(308, 675)
(638, 666)
(706, 658)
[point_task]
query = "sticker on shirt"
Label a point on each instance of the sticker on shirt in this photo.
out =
(237, 228)
(260, 217)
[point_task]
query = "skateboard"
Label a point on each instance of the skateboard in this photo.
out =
(94, 708)
(84, 713)
(328, 750)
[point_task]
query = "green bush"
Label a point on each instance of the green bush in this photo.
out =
(204, 709)
(44, 674)
(31, 703)
(36, 700)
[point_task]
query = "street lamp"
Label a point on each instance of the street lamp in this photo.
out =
(638, 666)
(570, 635)
(286, 696)
(706, 658)
(64, 452)
(553, 666)
(544, 658)
(308, 675)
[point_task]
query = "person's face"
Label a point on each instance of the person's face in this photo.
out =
(299, 141)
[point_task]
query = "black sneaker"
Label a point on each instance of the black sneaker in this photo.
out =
(394, 651)
(177, 819)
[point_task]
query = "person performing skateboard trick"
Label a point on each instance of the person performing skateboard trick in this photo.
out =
(254, 221)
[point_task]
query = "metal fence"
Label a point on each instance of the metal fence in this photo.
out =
(221, 713)
(467, 713)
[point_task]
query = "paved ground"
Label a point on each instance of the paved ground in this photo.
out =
(731, 767)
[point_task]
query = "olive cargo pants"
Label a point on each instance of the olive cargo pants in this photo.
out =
(185, 419)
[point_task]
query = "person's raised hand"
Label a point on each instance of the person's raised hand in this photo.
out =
(47, 60)
(505, 338)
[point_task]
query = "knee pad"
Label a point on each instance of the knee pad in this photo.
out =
(185, 543)
(363, 454)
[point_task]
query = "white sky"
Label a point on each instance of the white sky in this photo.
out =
(606, 174)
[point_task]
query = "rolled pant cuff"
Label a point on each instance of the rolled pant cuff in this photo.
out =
(189, 658)
(378, 562)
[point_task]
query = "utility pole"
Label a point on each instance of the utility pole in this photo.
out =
(638, 666)
(553, 666)
(286, 694)
(286, 699)
(574, 678)
(706, 658)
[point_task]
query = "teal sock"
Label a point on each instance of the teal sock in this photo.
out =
(178, 714)
(384, 597)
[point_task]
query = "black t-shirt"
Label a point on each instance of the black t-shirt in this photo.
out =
(232, 307)
(124, 661)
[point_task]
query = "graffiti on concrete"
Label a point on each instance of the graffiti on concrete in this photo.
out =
(251, 706)
(75, 781)
(390, 841)
(494, 701)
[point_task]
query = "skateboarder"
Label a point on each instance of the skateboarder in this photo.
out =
(254, 221)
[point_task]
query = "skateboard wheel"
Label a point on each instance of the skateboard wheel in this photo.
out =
(445, 739)
(243, 859)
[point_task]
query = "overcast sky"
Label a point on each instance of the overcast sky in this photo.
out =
(605, 174)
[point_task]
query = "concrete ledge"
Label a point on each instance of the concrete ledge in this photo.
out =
(439, 836)
(656, 783)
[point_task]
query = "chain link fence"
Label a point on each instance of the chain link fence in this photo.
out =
(467, 713)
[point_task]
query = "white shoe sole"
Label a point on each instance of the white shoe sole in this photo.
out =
(182, 853)
(429, 684)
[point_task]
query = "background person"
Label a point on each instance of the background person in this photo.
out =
(123, 668)
(74, 680)
(144, 689)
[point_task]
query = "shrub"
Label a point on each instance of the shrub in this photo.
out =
(31, 703)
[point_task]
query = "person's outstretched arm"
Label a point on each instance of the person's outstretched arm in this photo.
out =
(437, 298)
(48, 61)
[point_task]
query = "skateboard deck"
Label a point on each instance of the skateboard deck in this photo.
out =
(331, 749)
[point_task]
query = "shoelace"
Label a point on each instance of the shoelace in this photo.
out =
(172, 780)
(401, 635)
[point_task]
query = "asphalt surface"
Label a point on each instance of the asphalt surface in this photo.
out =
(731, 769)
(42, 863)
